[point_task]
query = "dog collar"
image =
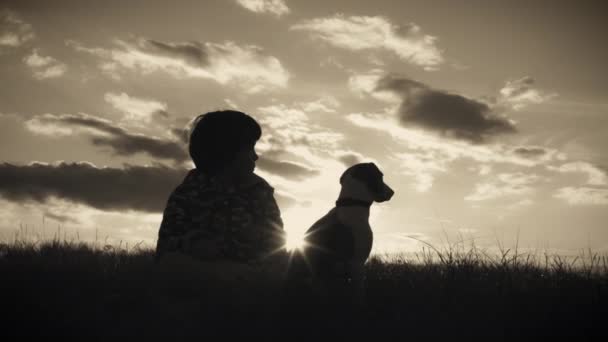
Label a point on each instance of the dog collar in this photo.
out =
(343, 202)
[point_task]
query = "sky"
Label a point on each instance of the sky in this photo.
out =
(488, 119)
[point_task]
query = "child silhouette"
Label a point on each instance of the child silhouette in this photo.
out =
(222, 210)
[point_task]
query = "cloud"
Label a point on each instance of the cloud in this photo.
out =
(312, 158)
(141, 188)
(327, 104)
(359, 33)
(231, 104)
(515, 95)
(421, 140)
(103, 132)
(583, 195)
(367, 84)
(596, 176)
(451, 115)
(60, 218)
(191, 53)
(136, 110)
(538, 153)
(421, 165)
(51, 72)
(297, 147)
(506, 184)
(130, 144)
(44, 125)
(181, 134)
(520, 93)
(286, 169)
(276, 7)
(14, 32)
(423, 155)
(349, 158)
(285, 200)
(288, 126)
(530, 152)
(35, 60)
(244, 66)
(44, 67)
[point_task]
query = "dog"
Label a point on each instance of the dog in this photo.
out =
(337, 246)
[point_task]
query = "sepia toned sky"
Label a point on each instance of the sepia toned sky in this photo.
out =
(488, 119)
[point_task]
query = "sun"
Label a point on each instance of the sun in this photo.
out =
(294, 241)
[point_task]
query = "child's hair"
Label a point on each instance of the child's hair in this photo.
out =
(216, 137)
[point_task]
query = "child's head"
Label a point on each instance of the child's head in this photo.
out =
(224, 139)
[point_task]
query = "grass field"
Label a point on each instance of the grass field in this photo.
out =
(73, 289)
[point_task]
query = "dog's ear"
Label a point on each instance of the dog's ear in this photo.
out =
(374, 169)
(344, 175)
(348, 172)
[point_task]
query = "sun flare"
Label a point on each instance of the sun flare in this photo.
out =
(294, 241)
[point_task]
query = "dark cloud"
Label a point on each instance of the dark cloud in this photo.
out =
(127, 145)
(285, 169)
(530, 152)
(449, 114)
(83, 120)
(60, 218)
(284, 201)
(181, 133)
(192, 53)
(141, 188)
(119, 139)
(349, 159)
(131, 188)
(399, 84)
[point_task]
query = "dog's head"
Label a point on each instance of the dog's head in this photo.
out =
(369, 179)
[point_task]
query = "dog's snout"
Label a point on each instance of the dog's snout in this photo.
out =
(386, 194)
(390, 192)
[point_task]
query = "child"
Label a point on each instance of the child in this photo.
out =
(222, 210)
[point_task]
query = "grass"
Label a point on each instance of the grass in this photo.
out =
(100, 292)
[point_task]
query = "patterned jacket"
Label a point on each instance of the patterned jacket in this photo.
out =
(208, 219)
